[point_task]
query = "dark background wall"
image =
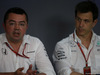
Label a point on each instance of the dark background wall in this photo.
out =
(49, 20)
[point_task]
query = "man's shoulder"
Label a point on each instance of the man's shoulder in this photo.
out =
(31, 38)
(2, 35)
(98, 36)
(66, 40)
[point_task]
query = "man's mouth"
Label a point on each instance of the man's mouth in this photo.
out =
(16, 34)
(80, 29)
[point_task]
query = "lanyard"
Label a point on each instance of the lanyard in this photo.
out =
(17, 52)
(86, 60)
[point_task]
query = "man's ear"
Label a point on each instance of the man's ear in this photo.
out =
(95, 22)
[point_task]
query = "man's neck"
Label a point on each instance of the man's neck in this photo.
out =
(86, 40)
(15, 45)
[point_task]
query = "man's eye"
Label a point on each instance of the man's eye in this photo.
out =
(78, 19)
(86, 21)
(11, 23)
(22, 24)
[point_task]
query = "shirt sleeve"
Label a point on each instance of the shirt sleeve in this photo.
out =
(42, 61)
(61, 58)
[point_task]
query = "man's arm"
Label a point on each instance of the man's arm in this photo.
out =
(17, 72)
(10, 73)
(75, 73)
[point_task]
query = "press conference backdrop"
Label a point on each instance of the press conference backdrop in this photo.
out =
(49, 20)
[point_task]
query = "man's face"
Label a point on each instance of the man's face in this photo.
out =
(84, 23)
(16, 26)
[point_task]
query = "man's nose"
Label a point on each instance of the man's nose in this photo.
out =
(81, 23)
(17, 26)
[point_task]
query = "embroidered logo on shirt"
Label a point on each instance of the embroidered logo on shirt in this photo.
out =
(60, 55)
(4, 51)
(31, 52)
(98, 44)
(98, 49)
(73, 51)
(72, 44)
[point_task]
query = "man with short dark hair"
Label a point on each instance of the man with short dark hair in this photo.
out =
(79, 53)
(21, 54)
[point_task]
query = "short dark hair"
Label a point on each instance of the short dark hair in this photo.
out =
(15, 10)
(87, 6)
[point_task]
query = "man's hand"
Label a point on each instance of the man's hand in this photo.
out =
(31, 72)
(41, 74)
(19, 72)
(74, 73)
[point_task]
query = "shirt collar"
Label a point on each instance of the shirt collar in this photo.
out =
(75, 37)
(4, 38)
(25, 39)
